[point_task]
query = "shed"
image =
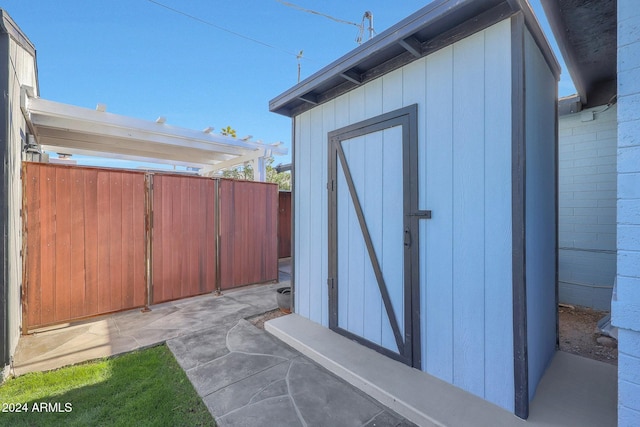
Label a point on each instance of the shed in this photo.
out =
(425, 201)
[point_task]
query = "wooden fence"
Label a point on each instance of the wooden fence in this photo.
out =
(183, 237)
(85, 242)
(98, 241)
(248, 232)
(284, 224)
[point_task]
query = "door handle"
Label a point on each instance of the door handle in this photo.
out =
(407, 237)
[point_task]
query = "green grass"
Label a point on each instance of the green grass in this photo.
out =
(143, 388)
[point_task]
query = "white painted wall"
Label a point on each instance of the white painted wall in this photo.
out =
(465, 174)
(626, 304)
(540, 211)
(587, 182)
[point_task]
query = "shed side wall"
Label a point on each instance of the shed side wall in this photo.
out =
(22, 71)
(464, 128)
(587, 173)
(540, 211)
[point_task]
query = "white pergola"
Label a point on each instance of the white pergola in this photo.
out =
(65, 128)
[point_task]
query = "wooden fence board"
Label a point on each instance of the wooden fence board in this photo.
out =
(78, 223)
(86, 239)
(183, 256)
(248, 232)
(284, 224)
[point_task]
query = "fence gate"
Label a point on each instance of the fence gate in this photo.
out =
(248, 232)
(85, 242)
(98, 241)
(183, 238)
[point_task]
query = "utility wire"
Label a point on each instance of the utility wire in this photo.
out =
(367, 15)
(333, 18)
(211, 24)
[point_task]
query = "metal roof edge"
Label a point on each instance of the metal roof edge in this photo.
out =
(400, 33)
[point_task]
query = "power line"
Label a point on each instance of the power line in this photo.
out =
(333, 18)
(211, 24)
(367, 15)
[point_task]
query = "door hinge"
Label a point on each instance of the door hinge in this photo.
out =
(331, 185)
(330, 283)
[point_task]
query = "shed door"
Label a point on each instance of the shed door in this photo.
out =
(373, 234)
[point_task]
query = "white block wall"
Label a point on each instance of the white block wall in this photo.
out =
(587, 175)
(626, 305)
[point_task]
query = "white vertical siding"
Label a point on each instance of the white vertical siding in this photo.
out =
(498, 365)
(304, 171)
(317, 196)
(540, 222)
(468, 214)
(22, 71)
(464, 178)
(437, 242)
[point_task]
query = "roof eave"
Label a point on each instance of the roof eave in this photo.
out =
(448, 16)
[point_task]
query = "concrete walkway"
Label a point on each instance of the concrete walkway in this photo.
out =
(123, 332)
(245, 376)
(574, 391)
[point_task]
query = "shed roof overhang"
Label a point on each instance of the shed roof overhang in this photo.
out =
(437, 25)
(70, 129)
(586, 32)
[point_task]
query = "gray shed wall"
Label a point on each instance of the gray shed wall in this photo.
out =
(19, 69)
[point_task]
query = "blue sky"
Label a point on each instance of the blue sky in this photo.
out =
(143, 60)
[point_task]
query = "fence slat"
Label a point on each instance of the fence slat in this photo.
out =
(248, 231)
(79, 227)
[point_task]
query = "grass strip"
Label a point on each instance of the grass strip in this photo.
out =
(142, 388)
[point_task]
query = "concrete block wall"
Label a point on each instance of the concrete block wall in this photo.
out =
(587, 203)
(626, 304)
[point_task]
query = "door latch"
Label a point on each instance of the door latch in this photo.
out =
(421, 214)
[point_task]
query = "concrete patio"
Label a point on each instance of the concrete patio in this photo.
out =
(119, 333)
(245, 376)
(574, 391)
(248, 377)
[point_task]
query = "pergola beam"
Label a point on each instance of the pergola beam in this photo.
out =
(67, 128)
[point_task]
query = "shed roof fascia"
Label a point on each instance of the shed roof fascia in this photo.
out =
(447, 13)
(8, 26)
(85, 131)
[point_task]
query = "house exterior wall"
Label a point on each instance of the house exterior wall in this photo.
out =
(20, 68)
(587, 183)
(540, 211)
(464, 137)
(626, 302)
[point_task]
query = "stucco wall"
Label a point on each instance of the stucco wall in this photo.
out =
(626, 304)
(587, 184)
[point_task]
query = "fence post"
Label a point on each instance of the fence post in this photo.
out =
(218, 290)
(148, 219)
